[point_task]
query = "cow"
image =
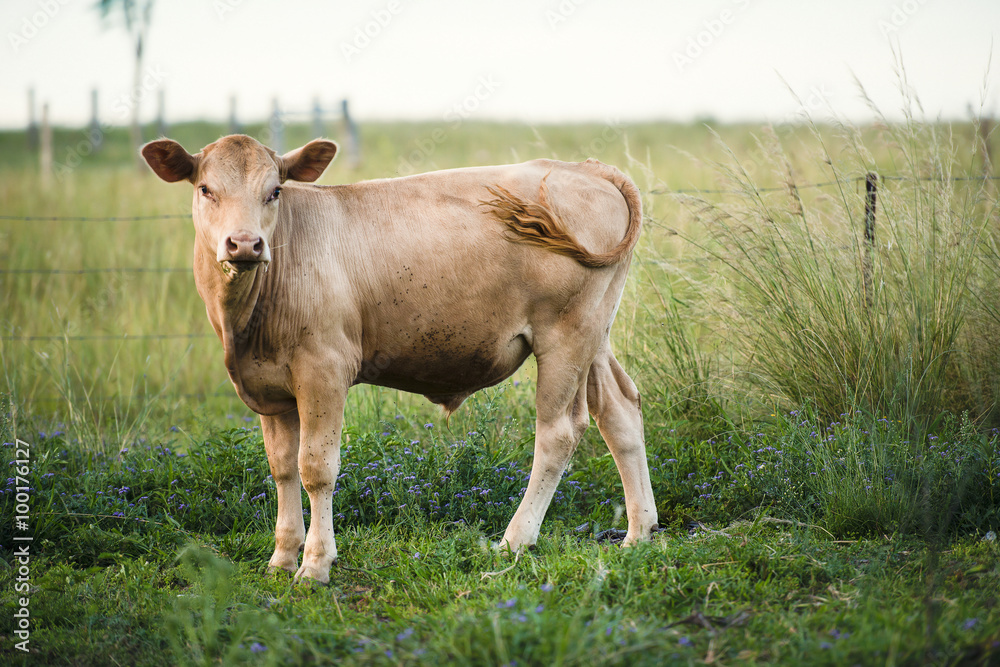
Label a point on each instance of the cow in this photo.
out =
(439, 283)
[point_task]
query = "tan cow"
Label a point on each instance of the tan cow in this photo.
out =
(440, 283)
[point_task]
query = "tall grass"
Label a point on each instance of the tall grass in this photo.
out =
(769, 304)
(794, 299)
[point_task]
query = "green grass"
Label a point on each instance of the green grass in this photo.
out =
(162, 550)
(825, 470)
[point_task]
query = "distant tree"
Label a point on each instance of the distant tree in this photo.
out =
(136, 15)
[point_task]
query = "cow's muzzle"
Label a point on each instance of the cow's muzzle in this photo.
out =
(244, 250)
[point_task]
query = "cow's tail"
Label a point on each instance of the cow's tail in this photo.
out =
(536, 222)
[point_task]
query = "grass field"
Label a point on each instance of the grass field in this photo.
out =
(820, 419)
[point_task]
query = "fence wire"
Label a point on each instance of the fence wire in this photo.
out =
(83, 272)
(136, 218)
(188, 270)
(822, 184)
(119, 337)
(200, 395)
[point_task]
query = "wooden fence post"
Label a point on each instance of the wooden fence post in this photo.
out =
(32, 123)
(45, 158)
(871, 201)
(96, 136)
(234, 124)
(161, 113)
(351, 137)
(277, 129)
(317, 119)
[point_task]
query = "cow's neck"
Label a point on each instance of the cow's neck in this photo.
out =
(230, 299)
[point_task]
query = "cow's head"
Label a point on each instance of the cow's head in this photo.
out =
(237, 187)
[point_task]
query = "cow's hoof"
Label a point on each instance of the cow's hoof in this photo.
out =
(639, 536)
(283, 563)
(505, 548)
(308, 574)
(276, 570)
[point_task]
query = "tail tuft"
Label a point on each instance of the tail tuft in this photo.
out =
(535, 223)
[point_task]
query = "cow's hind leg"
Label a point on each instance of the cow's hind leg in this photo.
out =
(561, 419)
(614, 403)
(281, 440)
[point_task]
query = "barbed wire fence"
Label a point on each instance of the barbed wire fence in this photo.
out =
(871, 180)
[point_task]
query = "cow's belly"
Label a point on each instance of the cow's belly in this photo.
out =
(439, 364)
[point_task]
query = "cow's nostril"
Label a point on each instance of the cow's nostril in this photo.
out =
(231, 245)
(258, 247)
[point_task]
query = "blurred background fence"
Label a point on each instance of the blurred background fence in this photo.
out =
(320, 119)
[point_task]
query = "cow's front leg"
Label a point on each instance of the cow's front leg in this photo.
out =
(281, 440)
(321, 414)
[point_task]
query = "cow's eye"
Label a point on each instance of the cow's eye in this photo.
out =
(204, 191)
(274, 195)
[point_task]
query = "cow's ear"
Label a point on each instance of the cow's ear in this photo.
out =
(170, 161)
(308, 163)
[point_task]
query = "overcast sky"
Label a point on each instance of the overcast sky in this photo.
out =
(535, 61)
